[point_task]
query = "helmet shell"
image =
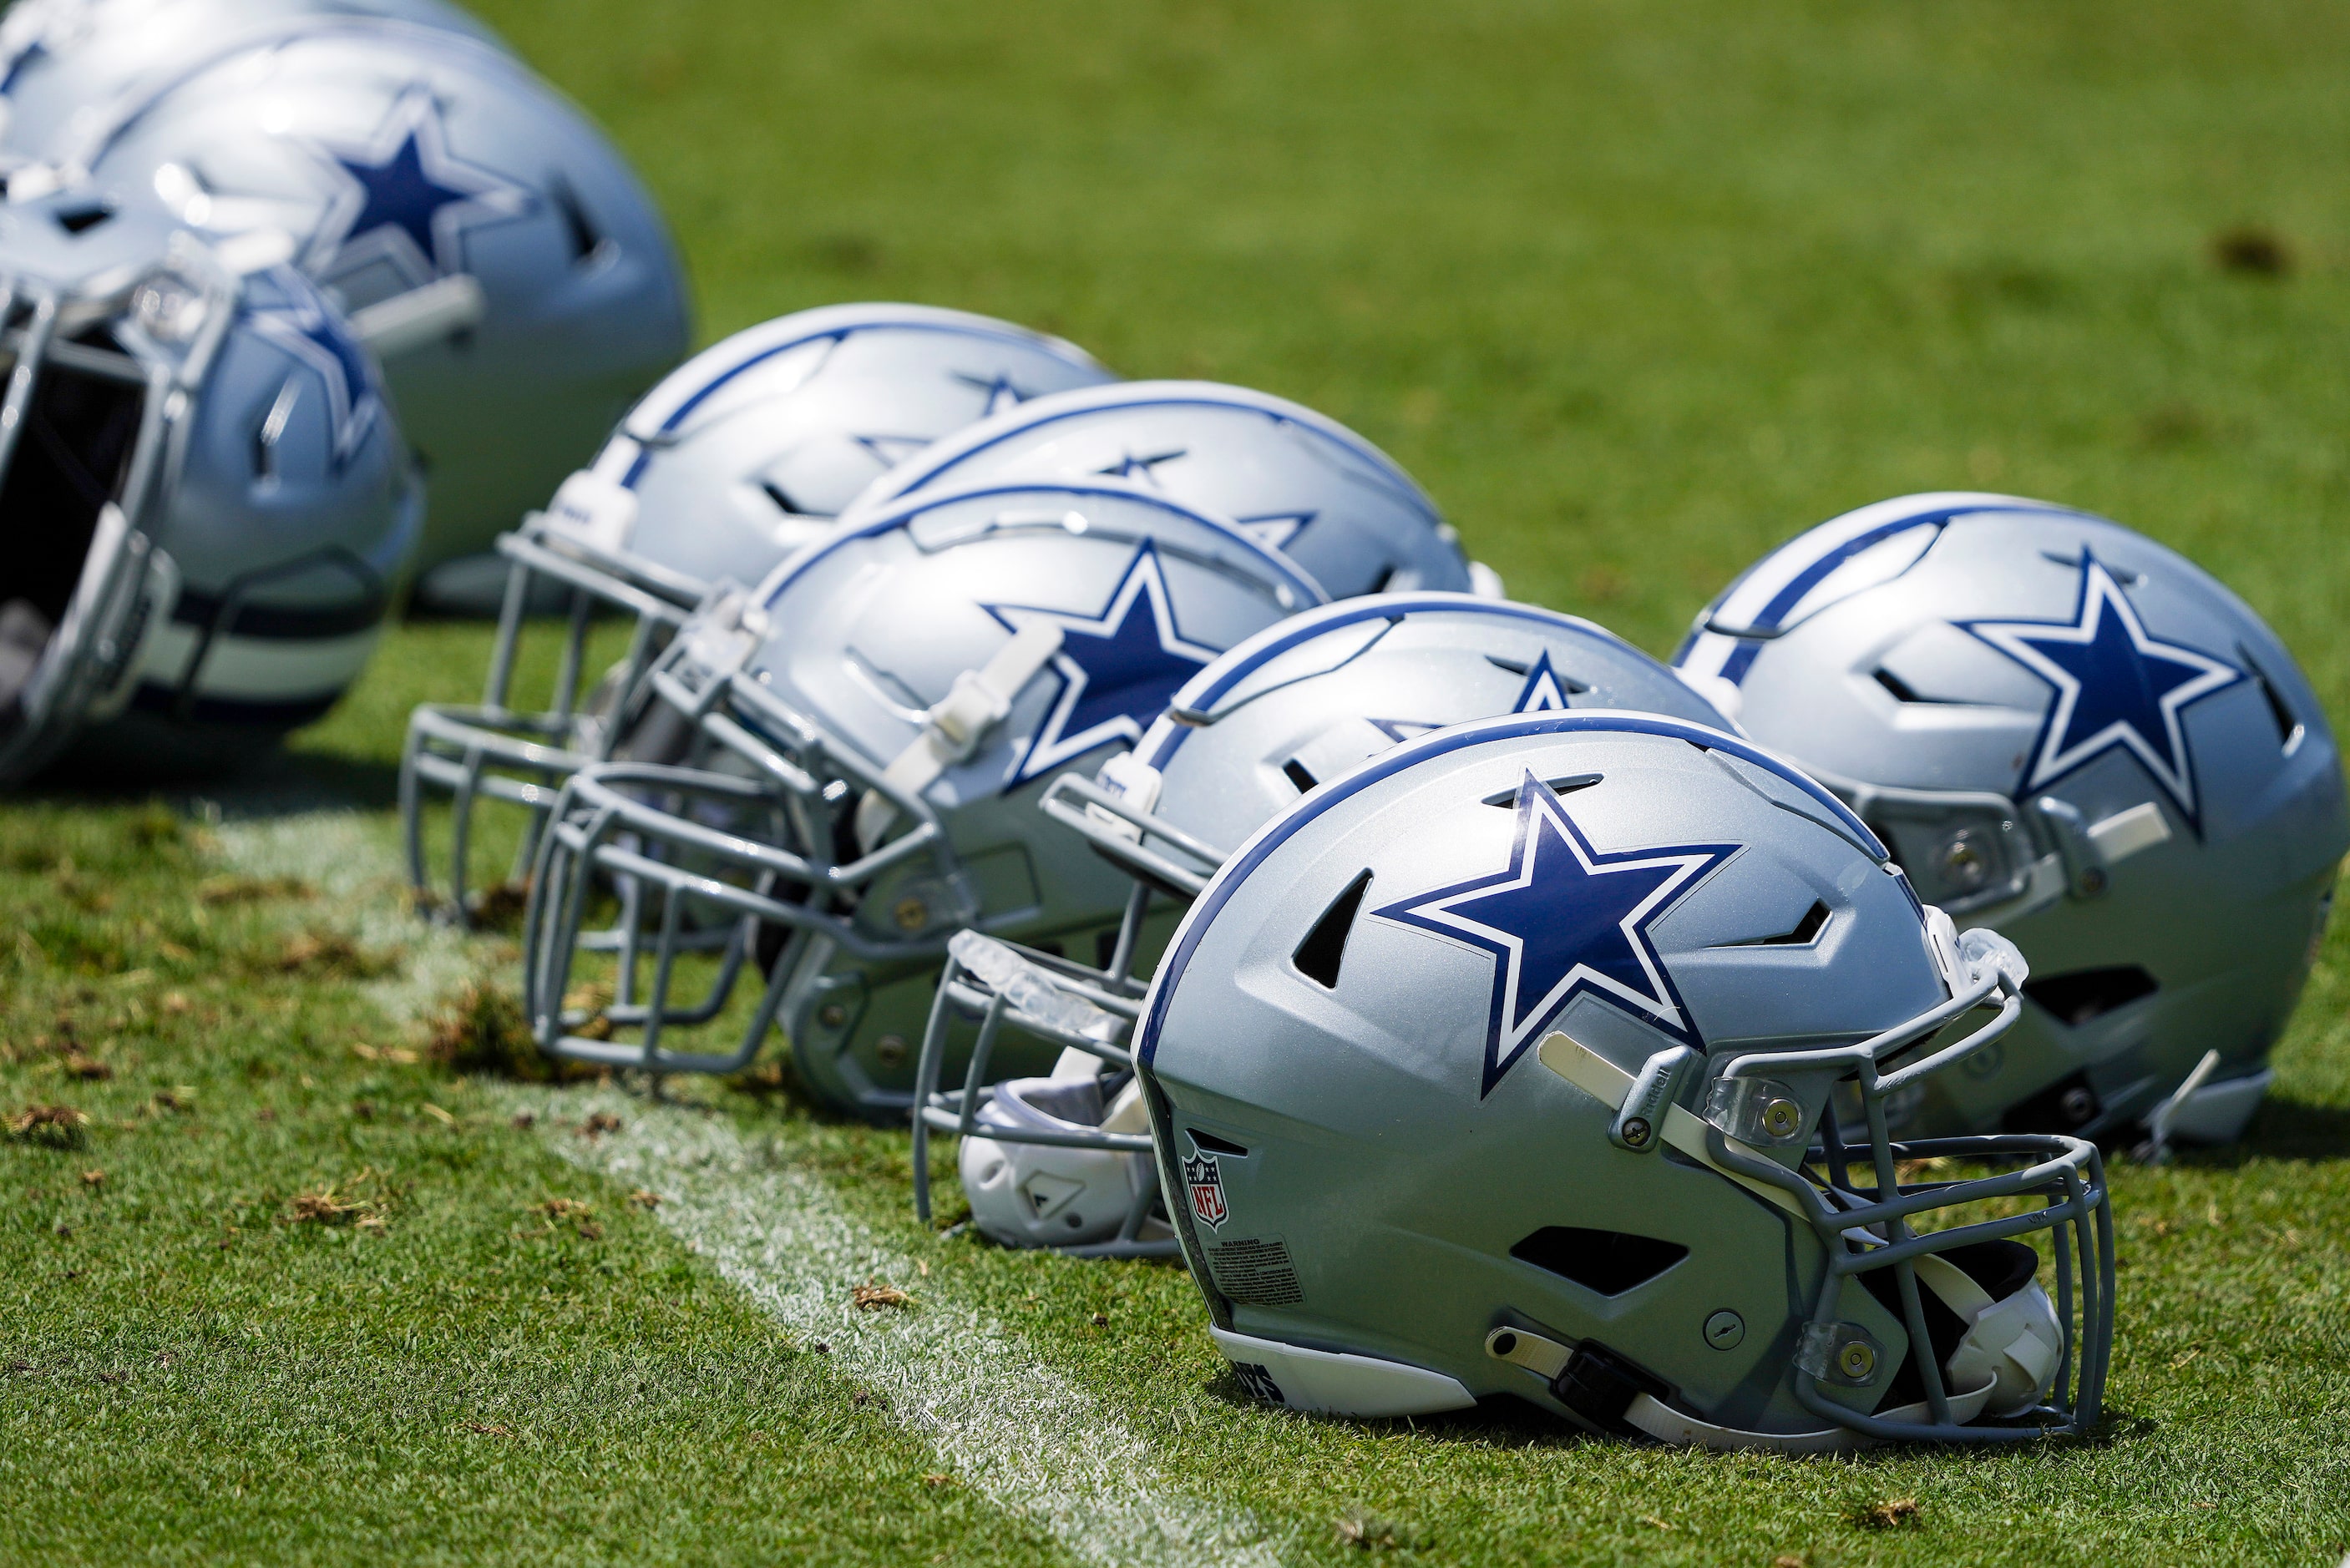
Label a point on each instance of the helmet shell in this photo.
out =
(1392, 1171)
(269, 485)
(831, 677)
(1304, 700)
(2058, 668)
(1303, 484)
(750, 449)
(63, 63)
(398, 156)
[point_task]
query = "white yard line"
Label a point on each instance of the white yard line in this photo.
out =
(358, 879)
(1025, 1436)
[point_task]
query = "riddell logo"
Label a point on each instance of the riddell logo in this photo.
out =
(1206, 1185)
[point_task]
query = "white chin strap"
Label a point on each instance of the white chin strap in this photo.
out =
(981, 700)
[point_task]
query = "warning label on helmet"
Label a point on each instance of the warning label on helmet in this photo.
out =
(1257, 1271)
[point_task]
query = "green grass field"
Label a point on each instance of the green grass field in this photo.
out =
(1637, 291)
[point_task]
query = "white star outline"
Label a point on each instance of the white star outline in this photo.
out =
(2100, 594)
(1542, 691)
(294, 327)
(1051, 748)
(1511, 1037)
(489, 195)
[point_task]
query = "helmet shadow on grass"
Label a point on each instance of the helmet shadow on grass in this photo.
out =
(262, 782)
(1506, 1421)
(2284, 1129)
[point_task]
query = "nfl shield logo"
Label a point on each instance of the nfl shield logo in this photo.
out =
(1207, 1187)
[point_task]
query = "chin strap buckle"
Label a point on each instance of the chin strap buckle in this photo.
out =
(1589, 1378)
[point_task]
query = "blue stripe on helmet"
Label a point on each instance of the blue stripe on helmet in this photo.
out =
(1741, 657)
(878, 324)
(913, 506)
(1221, 677)
(1331, 431)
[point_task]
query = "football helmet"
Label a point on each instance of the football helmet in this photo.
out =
(513, 274)
(1299, 703)
(865, 736)
(1493, 1066)
(215, 508)
(1305, 484)
(738, 458)
(60, 59)
(2077, 737)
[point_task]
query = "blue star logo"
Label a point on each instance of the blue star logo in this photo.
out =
(2116, 687)
(301, 326)
(1542, 692)
(889, 450)
(406, 199)
(1131, 465)
(1118, 669)
(1276, 530)
(997, 393)
(1562, 921)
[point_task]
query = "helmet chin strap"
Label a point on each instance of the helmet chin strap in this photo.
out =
(953, 730)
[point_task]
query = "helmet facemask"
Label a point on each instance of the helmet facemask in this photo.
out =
(574, 554)
(1867, 1223)
(101, 379)
(1061, 1161)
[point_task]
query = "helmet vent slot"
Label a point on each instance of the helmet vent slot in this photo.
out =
(783, 503)
(1802, 934)
(81, 220)
(578, 228)
(1208, 1143)
(2088, 994)
(1296, 773)
(1608, 1262)
(1318, 956)
(1508, 799)
(2289, 729)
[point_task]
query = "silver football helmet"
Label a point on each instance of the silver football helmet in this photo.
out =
(738, 458)
(867, 733)
(1303, 484)
(2073, 735)
(510, 270)
(64, 62)
(1494, 1066)
(1301, 702)
(215, 508)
